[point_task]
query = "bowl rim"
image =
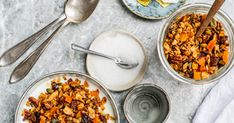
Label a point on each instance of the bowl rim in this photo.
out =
(165, 63)
(151, 17)
(112, 101)
(129, 94)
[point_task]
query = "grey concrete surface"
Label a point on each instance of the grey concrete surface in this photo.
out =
(20, 18)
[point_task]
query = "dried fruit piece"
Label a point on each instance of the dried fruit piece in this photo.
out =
(86, 119)
(225, 56)
(51, 112)
(95, 93)
(203, 68)
(214, 61)
(68, 99)
(42, 119)
(197, 75)
(184, 37)
(202, 61)
(195, 66)
(103, 118)
(96, 120)
(86, 84)
(212, 43)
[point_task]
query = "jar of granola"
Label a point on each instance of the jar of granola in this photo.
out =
(191, 59)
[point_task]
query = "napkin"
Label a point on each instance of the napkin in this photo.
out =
(215, 107)
(227, 115)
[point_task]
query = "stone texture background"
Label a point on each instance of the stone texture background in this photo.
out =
(20, 18)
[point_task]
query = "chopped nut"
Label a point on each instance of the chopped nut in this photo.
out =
(34, 101)
(205, 75)
(204, 45)
(47, 105)
(53, 96)
(185, 66)
(68, 111)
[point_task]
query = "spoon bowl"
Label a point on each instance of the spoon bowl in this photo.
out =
(78, 11)
(126, 64)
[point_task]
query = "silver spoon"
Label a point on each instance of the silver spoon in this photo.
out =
(76, 11)
(120, 61)
(11, 55)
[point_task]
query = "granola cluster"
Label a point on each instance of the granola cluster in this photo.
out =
(196, 57)
(69, 102)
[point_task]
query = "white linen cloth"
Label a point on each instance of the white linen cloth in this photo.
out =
(227, 115)
(218, 106)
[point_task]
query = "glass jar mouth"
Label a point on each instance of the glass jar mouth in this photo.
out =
(149, 94)
(197, 8)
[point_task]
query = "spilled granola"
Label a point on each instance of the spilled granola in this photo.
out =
(69, 102)
(196, 57)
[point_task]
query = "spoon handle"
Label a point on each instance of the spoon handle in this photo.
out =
(25, 66)
(11, 55)
(215, 7)
(82, 49)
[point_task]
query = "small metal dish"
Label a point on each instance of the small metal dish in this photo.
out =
(41, 84)
(147, 103)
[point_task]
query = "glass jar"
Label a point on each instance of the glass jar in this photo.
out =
(147, 103)
(199, 8)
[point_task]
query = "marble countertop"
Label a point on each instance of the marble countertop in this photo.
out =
(20, 18)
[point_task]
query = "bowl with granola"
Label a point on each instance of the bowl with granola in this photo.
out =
(66, 97)
(191, 59)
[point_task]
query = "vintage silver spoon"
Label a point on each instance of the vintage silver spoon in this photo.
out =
(120, 61)
(76, 11)
(12, 54)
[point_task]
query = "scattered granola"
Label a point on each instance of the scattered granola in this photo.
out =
(200, 57)
(69, 102)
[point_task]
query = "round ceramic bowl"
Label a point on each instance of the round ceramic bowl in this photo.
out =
(154, 10)
(43, 83)
(201, 8)
(147, 103)
(106, 71)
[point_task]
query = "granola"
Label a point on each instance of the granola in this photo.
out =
(69, 102)
(196, 57)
